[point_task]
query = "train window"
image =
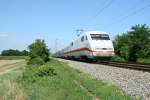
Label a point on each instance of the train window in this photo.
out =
(72, 44)
(86, 38)
(100, 37)
(82, 38)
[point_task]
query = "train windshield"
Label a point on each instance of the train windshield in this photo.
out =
(100, 37)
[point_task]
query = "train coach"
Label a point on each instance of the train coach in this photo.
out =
(94, 45)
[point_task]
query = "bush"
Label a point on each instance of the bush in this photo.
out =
(145, 61)
(117, 58)
(29, 75)
(36, 61)
(38, 51)
(32, 73)
(45, 71)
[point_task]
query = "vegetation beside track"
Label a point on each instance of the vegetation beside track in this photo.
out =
(133, 46)
(47, 79)
(65, 83)
(147, 61)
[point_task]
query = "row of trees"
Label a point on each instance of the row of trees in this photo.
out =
(38, 52)
(134, 44)
(12, 52)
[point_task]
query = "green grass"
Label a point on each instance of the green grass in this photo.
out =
(67, 84)
(64, 84)
(140, 60)
(146, 61)
(9, 88)
(118, 58)
(12, 57)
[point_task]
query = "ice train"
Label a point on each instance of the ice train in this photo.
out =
(89, 45)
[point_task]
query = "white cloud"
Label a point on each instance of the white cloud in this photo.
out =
(3, 35)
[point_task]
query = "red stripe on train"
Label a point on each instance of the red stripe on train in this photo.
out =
(83, 49)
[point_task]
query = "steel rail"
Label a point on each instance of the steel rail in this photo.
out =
(136, 66)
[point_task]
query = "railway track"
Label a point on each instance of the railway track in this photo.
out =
(136, 66)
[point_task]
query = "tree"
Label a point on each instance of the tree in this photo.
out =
(38, 51)
(139, 37)
(121, 45)
(12, 52)
(24, 53)
(134, 44)
(145, 53)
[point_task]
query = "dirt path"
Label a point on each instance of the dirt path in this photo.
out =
(7, 65)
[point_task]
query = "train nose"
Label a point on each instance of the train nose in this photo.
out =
(104, 53)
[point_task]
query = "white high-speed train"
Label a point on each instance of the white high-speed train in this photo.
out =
(89, 45)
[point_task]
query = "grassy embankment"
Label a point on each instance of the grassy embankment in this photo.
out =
(64, 83)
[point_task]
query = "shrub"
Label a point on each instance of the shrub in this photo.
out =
(45, 71)
(29, 74)
(36, 61)
(38, 51)
(34, 72)
(117, 58)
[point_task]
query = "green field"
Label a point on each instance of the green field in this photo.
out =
(12, 57)
(65, 84)
(10, 89)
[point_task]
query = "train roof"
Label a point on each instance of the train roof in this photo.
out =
(88, 33)
(94, 32)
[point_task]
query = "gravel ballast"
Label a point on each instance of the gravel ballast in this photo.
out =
(134, 82)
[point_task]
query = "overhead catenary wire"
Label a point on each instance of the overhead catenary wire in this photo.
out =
(99, 12)
(120, 20)
(129, 9)
(102, 9)
(130, 14)
(125, 16)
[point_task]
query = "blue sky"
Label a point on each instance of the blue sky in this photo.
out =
(23, 21)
